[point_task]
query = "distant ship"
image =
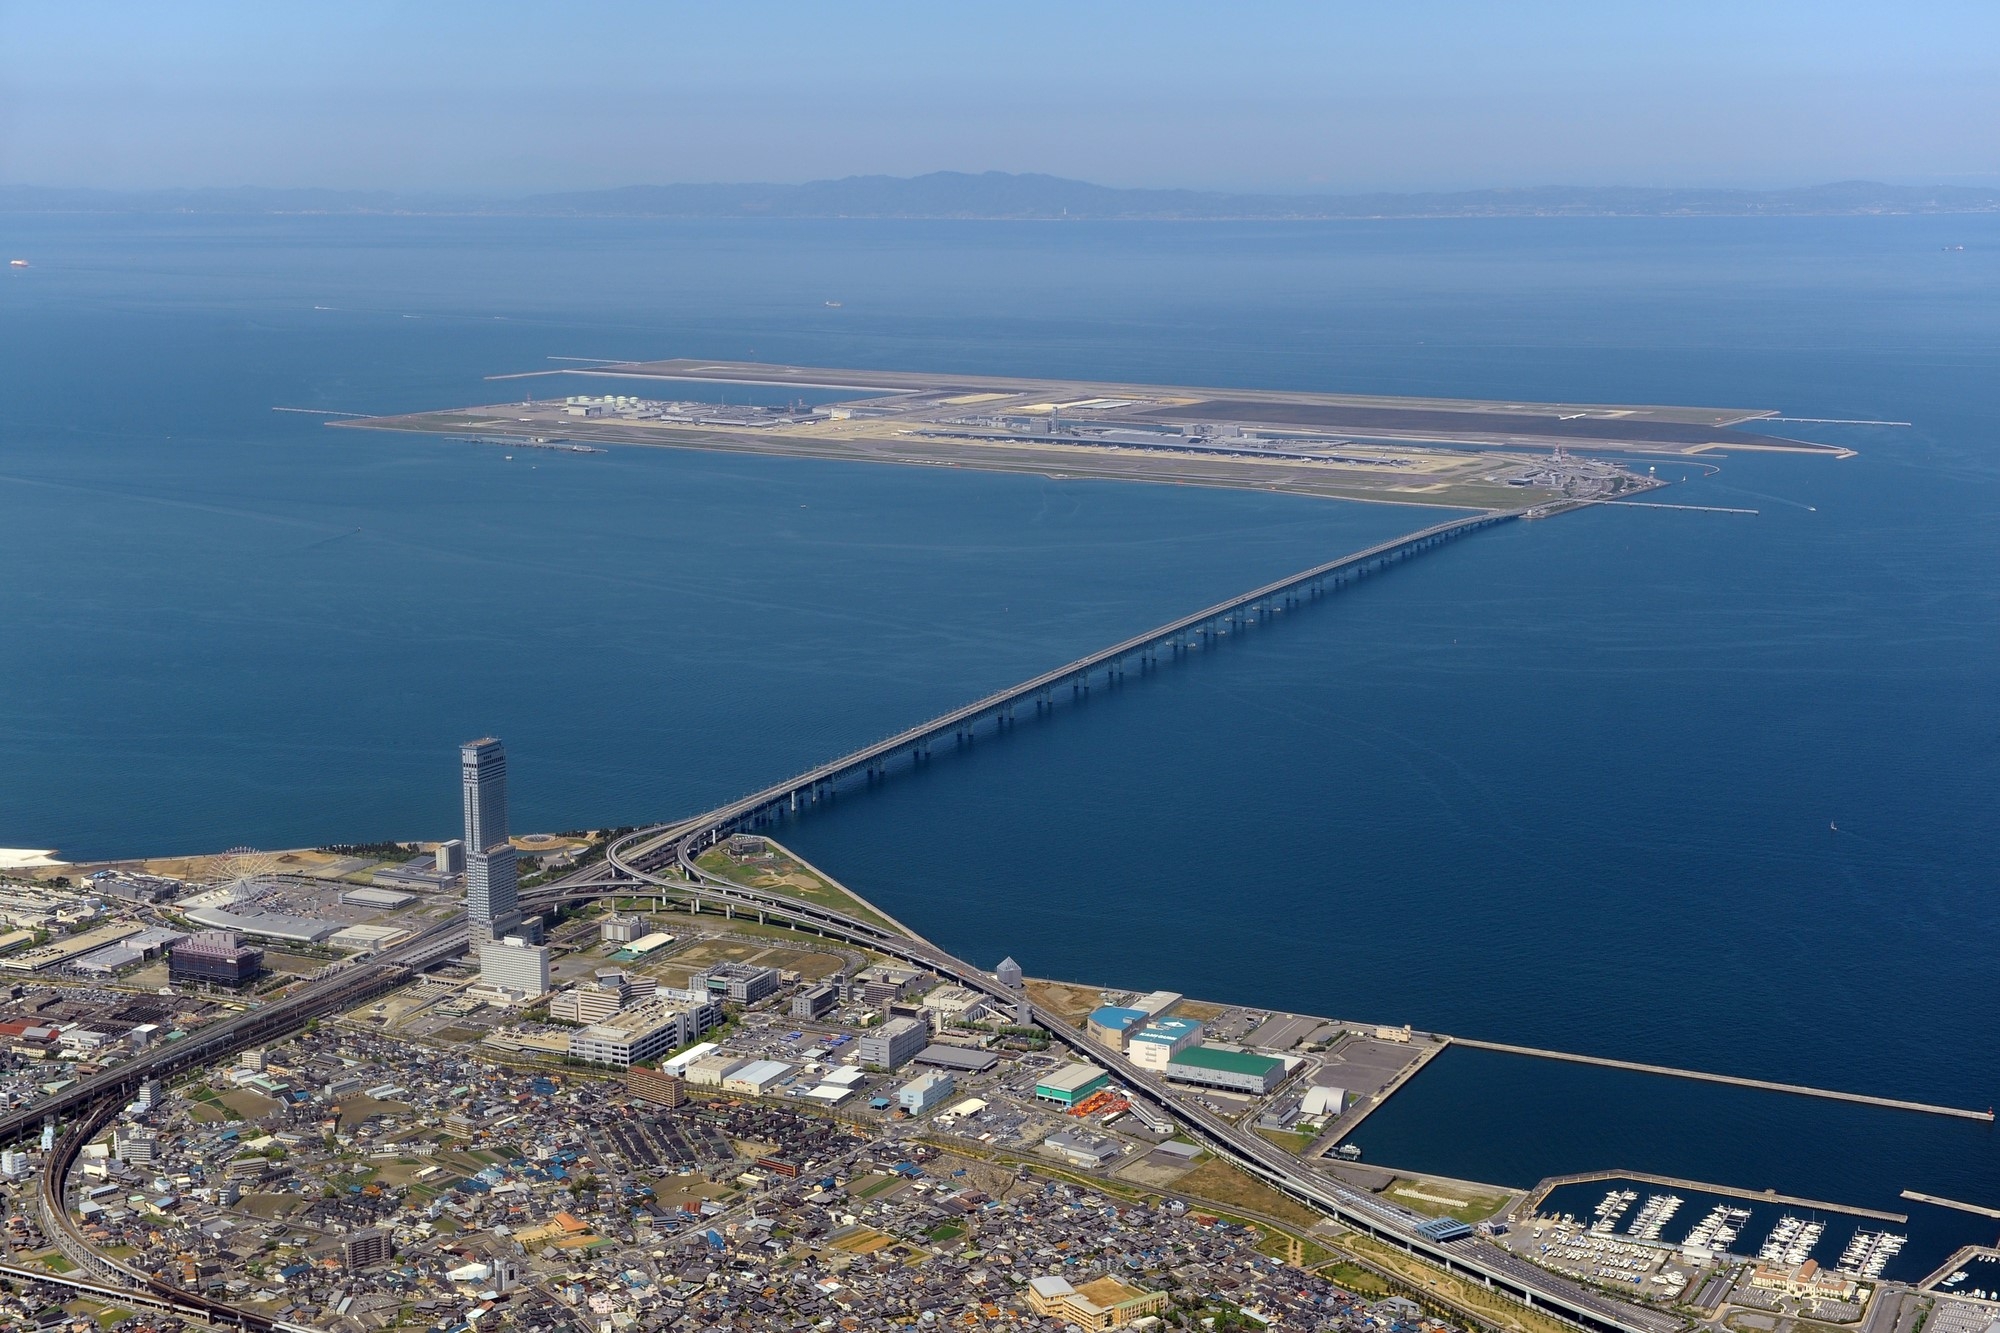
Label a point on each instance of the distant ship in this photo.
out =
(17, 263)
(831, 305)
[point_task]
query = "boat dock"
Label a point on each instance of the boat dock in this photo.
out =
(1533, 1202)
(1762, 1085)
(1959, 1259)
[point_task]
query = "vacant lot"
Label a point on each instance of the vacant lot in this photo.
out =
(1229, 1188)
(1071, 1001)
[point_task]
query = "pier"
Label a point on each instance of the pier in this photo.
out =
(1528, 1206)
(1960, 1258)
(1920, 1197)
(1350, 1120)
(1762, 1085)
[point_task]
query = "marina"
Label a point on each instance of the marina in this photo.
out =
(1718, 1229)
(1791, 1241)
(1653, 1218)
(1611, 1209)
(1685, 1228)
(1972, 1272)
(1869, 1252)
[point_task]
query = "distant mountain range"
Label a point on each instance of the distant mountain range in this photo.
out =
(1001, 195)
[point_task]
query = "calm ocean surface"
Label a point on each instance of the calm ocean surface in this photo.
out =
(1568, 784)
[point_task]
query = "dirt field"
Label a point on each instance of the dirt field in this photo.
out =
(354, 1110)
(250, 1105)
(1071, 1001)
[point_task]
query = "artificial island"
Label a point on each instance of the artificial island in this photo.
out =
(676, 1077)
(1426, 451)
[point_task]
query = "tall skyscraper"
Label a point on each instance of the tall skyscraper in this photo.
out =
(490, 899)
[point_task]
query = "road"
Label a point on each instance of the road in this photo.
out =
(642, 856)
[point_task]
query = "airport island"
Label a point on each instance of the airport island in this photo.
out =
(1460, 453)
(677, 1077)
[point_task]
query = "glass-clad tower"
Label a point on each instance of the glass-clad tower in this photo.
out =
(490, 899)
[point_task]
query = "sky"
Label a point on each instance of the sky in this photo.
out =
(1334, 97)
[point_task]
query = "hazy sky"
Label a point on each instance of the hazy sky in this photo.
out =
(502, 96)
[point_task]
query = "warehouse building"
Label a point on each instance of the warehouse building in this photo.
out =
(965, 1059)
(1110, 1025)
(386, 899)
(642, 946)
(712, 1069)
(1155, 1045)
(1070, 1084)
(894, 1044)
(923, 1092)
(757, 1078)
(1232, 1071)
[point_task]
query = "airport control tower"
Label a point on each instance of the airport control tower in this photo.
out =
(490, 898)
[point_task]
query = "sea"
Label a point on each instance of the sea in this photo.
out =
(1704, 789)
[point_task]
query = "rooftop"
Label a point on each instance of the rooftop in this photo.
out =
(1070, 1077)
(1235, 1062)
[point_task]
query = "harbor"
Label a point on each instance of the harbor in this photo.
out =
(1640, 1223)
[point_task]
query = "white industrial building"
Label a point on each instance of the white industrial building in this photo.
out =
(678, 1066)
(635, 1035)
(1156, 1045)
(711, 1070)
(757, 1078)
(920, 1094)
(894, 1044)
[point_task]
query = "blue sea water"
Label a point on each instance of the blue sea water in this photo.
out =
(1699, 789)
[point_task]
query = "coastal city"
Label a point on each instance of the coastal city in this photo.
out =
(585, 1095)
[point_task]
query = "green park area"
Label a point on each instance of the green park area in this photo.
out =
(775, 870)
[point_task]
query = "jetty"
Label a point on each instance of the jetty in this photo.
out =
(1531, 1204)
(1941, 1202)
(1761, 1084)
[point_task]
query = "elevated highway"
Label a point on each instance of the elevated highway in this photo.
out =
(337, 990)
(641, 858)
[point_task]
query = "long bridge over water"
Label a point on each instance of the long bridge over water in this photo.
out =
(1190, 633)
